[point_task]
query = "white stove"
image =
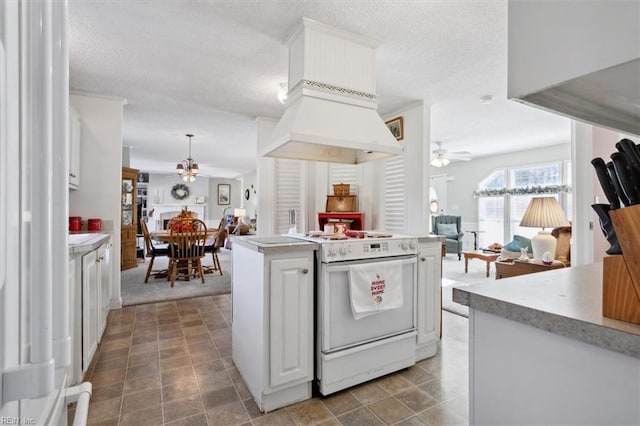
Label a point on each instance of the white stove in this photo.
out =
(373, 245)
(350, 351)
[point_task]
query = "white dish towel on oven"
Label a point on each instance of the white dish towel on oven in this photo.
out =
(375, 287)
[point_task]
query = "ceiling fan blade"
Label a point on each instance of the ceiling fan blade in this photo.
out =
(461, 155)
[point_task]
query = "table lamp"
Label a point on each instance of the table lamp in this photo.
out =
(543, 212)
(240, 214)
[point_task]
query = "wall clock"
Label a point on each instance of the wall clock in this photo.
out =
(180, 191)
(433, 206)
(247, 194)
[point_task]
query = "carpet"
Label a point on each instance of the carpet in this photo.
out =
(135, 292)
(453, 275)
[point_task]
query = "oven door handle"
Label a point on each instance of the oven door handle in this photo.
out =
(344, 266)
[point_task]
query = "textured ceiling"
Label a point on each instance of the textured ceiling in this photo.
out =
(211, 67)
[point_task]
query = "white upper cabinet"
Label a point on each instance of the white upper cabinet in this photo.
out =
(75, 137)
(577, 58)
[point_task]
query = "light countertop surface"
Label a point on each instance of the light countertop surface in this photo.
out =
(567, 302)
(84, 242)
(274, 243)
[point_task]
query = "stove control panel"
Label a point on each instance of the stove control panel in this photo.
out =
(337, 251)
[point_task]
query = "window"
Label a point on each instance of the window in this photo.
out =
(491, 210)
(536, 176)
(500, 211)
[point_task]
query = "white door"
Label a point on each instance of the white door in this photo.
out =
(104, 272)
(291, 321)
(90, 308)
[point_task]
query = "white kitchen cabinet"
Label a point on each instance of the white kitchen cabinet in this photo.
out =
(429, 296)
(272, 320)
(90, 279)
(75, 137)
(577, 58)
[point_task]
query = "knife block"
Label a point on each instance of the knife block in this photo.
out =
(619, 297)
(621, 273)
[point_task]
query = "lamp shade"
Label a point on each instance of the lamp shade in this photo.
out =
(240, 212)
(544, 212)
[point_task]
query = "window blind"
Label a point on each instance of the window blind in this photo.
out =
(289, 190)
(394, 195)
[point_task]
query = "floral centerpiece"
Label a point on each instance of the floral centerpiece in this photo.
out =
(183, 225)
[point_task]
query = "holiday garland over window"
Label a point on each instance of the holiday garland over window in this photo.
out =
(528, 190)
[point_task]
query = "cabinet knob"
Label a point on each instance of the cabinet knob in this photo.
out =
(72, 175)
(422, 259)
(305, 271)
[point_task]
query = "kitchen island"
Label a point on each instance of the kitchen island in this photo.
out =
(542, 353)
(272, 318)
(274, 299)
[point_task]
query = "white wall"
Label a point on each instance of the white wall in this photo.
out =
(266, 223)
(250, 182)
(100, 169)
(159, 191)
(215, 209)
(416, 143)
(465, 175)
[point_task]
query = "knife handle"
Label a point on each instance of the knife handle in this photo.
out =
(616, 184)
(630, 151)
(605, 182)
(625, 174)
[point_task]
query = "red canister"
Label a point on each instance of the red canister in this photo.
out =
(94, 224)
(75, 223)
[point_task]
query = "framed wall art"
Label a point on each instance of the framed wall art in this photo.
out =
(396, 127)
(224, 194)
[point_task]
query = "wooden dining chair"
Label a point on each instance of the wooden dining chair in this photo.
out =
(152, 252)
(187, 239)
(214, 248)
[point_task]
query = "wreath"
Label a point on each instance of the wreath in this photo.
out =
(180, 191)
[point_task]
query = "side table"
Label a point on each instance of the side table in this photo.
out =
(479, 254)
(514, 268)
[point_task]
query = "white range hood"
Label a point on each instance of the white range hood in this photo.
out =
(331, 106)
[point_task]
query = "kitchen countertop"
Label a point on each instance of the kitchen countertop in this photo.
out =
(428, 238)
(84, 242)
(274, 243)
(567, 302)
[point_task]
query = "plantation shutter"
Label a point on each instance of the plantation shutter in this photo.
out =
(394, 204)
(289, 190)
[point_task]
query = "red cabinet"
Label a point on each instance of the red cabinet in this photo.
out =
(355, 219)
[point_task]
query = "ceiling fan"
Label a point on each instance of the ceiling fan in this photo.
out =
(441, 156)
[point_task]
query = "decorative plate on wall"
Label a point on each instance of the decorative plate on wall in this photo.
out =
(180, 191)
(247, 194)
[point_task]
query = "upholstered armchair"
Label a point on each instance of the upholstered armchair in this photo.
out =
(450, 228)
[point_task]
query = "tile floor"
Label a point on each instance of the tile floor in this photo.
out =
(170, 364)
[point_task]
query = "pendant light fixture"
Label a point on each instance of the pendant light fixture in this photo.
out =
(188, 169)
